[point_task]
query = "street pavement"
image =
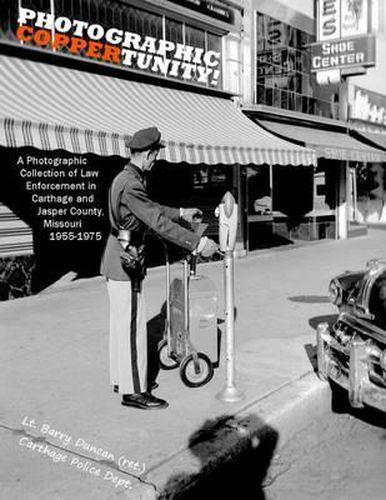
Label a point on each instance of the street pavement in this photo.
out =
(340, 456)
(65, 434)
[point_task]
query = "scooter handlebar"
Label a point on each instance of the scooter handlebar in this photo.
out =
(199, 228)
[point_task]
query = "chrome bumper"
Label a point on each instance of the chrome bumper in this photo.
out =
(348, 361)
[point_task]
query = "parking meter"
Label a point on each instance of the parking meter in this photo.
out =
(227, 215)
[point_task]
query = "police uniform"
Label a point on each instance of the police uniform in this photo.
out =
(131, 209)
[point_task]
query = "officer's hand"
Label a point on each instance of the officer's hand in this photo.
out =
(191, 214)
(207, 247)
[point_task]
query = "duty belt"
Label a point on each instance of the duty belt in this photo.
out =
(135, 238)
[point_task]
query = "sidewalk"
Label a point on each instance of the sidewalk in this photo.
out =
(82, 444)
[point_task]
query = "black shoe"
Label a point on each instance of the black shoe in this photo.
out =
(144, 401)
(153, 387)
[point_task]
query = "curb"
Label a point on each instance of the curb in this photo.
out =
(277, 417)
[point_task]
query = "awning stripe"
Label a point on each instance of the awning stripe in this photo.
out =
(18, 134)
(377, 140)
(59, 137)
(9, 135)
(327, 143)
(209, 156)
(52, 107)
(15, 235)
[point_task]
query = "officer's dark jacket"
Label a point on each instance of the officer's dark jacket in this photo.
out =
(137, 213)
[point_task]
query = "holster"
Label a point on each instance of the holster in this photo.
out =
(129, 241)
(132, 266)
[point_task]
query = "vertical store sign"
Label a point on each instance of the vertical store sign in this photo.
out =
(354, 17)
(340, 20)
(328, 28)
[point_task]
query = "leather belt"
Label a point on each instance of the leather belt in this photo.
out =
(134, 238)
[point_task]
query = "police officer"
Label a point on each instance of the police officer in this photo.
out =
(131, 214)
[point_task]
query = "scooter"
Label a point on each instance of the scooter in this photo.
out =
(190, 339)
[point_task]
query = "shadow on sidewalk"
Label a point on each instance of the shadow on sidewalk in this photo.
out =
(227, 475)
(310, 299)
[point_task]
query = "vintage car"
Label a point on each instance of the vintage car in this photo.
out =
(352, 352)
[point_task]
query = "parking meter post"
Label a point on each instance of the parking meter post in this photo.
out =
(227, 213)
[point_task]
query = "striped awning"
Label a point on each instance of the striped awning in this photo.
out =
(377, 140)
(15, 235)
(51, 107)
(328, 144)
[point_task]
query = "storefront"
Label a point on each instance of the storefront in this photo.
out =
(367, 119)
(75, 88)
(284, 97)
(324, 214)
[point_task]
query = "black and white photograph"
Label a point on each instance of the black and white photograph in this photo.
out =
(193, 249)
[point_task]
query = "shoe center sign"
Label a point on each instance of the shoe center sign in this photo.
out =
(351, 52)
(345, 43)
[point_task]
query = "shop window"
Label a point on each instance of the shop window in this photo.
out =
(259, 191)
(283, 66)
(8, 20)
(9, 15)
(209, 186)
(367, 186)
(209, 177)
(131, 19)
(110, 13)
(42, 5)
(325, 188)
(194, 37)
(293, 190)
(214, 42)
(151, 25)
(202, 186)
(83, 10)
(174, 31)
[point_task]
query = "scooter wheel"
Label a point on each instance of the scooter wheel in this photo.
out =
(165, 361)
(190, 376)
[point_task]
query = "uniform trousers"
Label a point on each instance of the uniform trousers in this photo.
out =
(128, 337)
